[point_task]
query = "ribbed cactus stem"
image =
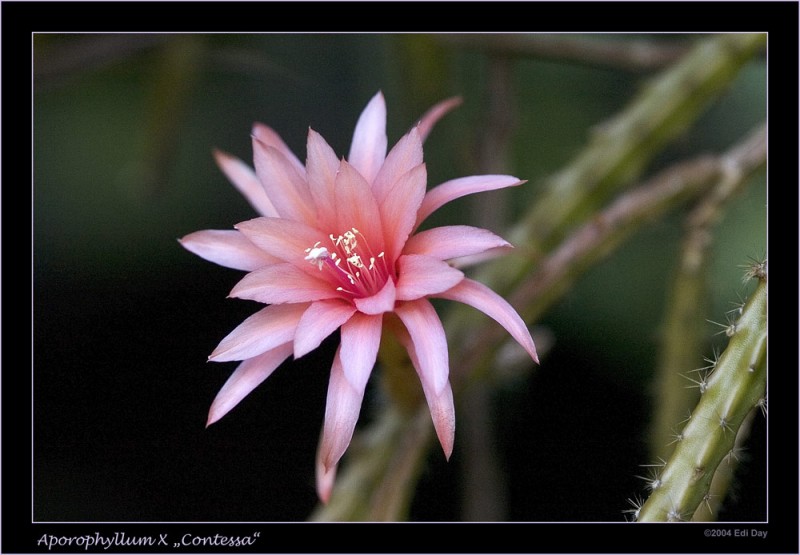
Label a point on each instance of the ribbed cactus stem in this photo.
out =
(736, 386)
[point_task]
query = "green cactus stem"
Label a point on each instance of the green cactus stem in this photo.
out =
(736, 386)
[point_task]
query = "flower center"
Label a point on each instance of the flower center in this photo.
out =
(356, 270)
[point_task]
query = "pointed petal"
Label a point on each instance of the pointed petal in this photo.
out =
(285, 186)
(342, 408)
(266, 329)
(429, 119)
(368, 148)
(453, 241)
(283, 283)
(356, 207)
(247, 376)
(286, 240)
(399, 209)
(430, 343)
(493, 305)
(269, 137)
(404, 156)
(325, 479)
(361, 336)
(457, 188)
(380, 302)
(322, 165)
(245, 180)
(320, 320)
(420, 276)
(441, 406)
(226, 247)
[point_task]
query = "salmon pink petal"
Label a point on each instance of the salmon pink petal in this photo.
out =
(380, 302)
(341, 413)
(493, 305)
(266, 329)
(247, 376)
(430, 343)
(245, 180)
(399, 209)
(285, 186)
(429, 119)
(404, 156)
(325, 478)
(361, 336)
(322, 165)
(356, 207)
(320, 320)
(284, 239)
(420, 276)
(453, 241)
(282, 283)
(368, 149)
(226, 247)
(269, 137)
(457, 188)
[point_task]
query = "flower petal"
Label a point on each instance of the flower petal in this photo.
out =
(247, 376)
(342, 408)
(361, 336)
(245, 180)
(429, 119)
(493, 305)
(356, 207)
(283, 283)
(322, 165)
(380, 302)
(453, 241)
(399, 209)
(404, 156)
(368, 148)
(430, 343)
(457, 188)
(320, 320)
(285, 186)
(420, 276)
(269, 137)
(286, 240)
(325, 478)
(266, 329)
(226, 247)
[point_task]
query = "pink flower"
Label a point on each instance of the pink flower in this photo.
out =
(336, 248)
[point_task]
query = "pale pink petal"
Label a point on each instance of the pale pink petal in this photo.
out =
(322, 165)
(430, 343)
(245, 180)
(266, 329)
(453, 241)
(493, 305)
(457, 188)
(420, 276)
(368, 148)
(325, 478)
(320, 320)
(285, 186)
(429, 119)
(361, 336)
(399, 209)
(283, 283)
(341, 413)
(356, 208)
(247, 376)
(441, 406)
(286, 240)
(380, 302)
(404, 156)
(226, 247)
(269, 137)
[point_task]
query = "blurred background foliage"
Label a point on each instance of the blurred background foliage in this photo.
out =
(124, 126)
